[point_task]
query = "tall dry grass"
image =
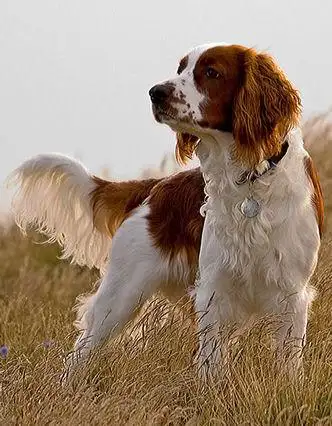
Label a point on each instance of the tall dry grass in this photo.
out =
(149, 377)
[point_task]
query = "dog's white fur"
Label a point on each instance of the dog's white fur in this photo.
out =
(246, 266)
(53, 197)
(135, 271)
(258, 266)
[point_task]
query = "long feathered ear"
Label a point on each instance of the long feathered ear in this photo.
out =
(265, 109)
(185, 147)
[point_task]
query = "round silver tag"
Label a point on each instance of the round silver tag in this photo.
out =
(250, 207)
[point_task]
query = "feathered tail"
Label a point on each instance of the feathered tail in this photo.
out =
(58, 196)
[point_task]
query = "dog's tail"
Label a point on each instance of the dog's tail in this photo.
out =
(58, 196)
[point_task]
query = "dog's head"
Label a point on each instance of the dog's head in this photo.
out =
(228, 88)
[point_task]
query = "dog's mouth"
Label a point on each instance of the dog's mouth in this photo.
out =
(164, 115)
(169, 116)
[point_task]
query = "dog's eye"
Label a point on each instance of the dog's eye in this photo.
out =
(211, 73)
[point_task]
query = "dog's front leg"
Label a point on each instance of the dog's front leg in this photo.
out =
(213, 313)
(290, 336)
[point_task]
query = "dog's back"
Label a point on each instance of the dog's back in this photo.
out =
(60, 198)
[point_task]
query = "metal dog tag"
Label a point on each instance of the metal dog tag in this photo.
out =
(250, 207)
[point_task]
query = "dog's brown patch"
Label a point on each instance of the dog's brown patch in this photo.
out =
(112, 202)
(175, 222)
(317, 195)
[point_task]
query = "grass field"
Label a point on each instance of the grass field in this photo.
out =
(148, 377)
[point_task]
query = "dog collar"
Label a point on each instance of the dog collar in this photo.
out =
(272, 162)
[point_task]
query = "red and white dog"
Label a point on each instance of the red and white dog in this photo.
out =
(248, 221)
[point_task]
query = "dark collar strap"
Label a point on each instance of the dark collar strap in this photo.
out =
(252, 175)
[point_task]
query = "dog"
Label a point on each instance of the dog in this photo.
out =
(247, 222)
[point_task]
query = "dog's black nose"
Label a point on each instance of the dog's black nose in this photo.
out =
(160, 93)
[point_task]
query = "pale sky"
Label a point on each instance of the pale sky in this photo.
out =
(75, 74)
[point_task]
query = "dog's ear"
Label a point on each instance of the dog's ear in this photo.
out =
(265, 109)
(185, 147)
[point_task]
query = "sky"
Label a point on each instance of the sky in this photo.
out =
(75, 74)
